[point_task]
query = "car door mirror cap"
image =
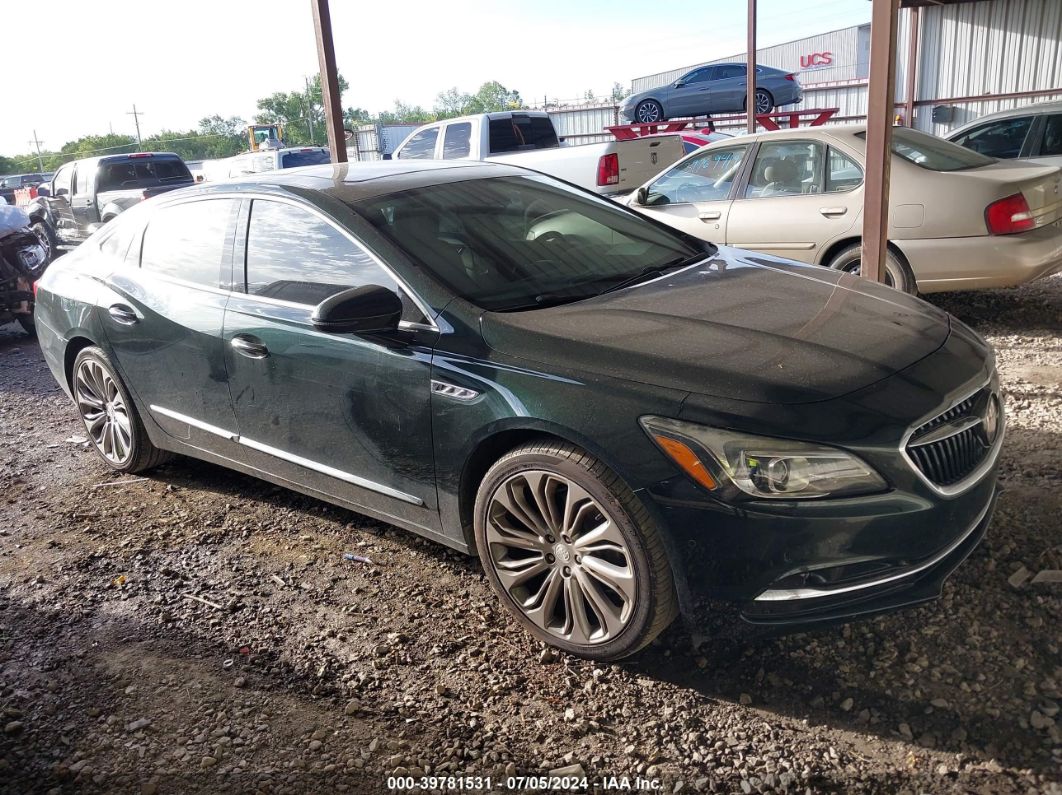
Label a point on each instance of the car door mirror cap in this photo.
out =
(44, 191)
(641, 196)
(370, 309)
(680, 83)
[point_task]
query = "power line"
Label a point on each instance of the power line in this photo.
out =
(136, 120)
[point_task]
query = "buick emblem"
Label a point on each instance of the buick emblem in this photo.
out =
(990, 420)
(562, 552)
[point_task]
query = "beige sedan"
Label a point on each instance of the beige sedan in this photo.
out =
(957, 220)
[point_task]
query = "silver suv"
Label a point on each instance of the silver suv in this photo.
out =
(1032, 132)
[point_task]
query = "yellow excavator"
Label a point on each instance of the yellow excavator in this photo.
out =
(264, 136)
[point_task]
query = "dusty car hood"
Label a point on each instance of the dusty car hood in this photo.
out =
(741, 325)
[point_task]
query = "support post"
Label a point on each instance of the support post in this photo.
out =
(37, 143)
(750, 78)
(881, 102)
(330, 98)
(914, 20)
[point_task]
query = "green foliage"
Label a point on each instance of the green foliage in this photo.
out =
(298, 112)
(490, 98)
(618, 93)
(216, 137)
(405, 114)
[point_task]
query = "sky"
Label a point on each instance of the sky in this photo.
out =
(179, 62)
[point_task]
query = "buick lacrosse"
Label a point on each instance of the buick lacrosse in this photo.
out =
(619, 419)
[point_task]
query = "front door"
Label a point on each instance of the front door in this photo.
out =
(59, 204)
(164, 318)
(796, 200)
(346, 415)
(695, 195)
(693, 97)
(83, 201)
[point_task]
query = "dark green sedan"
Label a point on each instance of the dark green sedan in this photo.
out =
(620, 420)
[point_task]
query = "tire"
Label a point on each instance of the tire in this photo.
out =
(764, 101)
(103, 401)
(46, 235)
(549, 561)
(897, 272)
(26, 321)
(649, 111)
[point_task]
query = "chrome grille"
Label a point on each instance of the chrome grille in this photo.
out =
(950, 446)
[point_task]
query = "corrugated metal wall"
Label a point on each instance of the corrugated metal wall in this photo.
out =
(372, 142)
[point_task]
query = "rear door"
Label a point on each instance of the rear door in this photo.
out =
(1048, 147)
(164, 326)
(794, 203)
(346, 415)
(728, 87)
(696, 194)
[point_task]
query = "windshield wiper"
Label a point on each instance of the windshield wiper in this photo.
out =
(653, 272)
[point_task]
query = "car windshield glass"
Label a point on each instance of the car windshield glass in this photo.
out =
(930, 152)
(140, 173)
(314, 157)
(509, 243)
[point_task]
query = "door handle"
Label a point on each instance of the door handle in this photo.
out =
(710, 215)
(120, 313)
(248, 346)
(828, 211)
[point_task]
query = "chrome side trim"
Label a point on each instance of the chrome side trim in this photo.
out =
(982, 469)
(332, 472)
(789, 594)
(324, 469)
(453, 391)
(203, 426)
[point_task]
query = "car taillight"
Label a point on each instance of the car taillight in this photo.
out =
(1008, 216)
(608, 169)
(141, 154)
(791, 77)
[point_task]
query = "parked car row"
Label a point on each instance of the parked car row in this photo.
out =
(9, 183)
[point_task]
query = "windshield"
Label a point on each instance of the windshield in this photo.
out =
(930, 152)
(312, 157)
(141, 173)
(509, 243)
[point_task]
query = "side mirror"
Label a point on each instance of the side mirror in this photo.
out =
(370, 309)
(680, 83)
(641, 196)
(44, 190)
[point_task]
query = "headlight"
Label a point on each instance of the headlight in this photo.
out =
(760, 466)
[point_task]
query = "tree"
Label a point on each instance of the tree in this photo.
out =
(589, 96)
(452, 103)
(618, 93)
(405, 114)
(493, 97)
(355, 117)
(297, 111)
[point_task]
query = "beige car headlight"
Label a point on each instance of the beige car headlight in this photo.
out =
(761, 466)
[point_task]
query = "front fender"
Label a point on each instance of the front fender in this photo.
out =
(39, 211)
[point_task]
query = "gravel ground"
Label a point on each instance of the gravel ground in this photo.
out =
(200, 631)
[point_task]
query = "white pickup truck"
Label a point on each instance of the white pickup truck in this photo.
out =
(528, 139)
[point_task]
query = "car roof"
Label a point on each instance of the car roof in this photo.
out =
(1035, 109)
(350, 182)
(823, 131)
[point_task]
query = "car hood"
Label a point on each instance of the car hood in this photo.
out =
(739, 325)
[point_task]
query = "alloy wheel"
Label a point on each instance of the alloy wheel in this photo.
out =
(763, 102)
(104, 412)
(855, 267)
(560, 557)
(649, 112)
(42, 237)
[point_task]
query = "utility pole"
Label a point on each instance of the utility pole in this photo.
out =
(136, 120)
(326, 55)
(750, 78)
(309, 108)
(37, 143)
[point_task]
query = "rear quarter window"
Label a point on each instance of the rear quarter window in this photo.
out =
(521, 133)
(190, 241)
(140, 173)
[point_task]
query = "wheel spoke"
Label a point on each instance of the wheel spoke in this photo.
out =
(604, 536)
(619, 579)
(608, 615)
(515, 572)
(575, 602)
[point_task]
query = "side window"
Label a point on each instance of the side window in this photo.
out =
(729, 70)
(82, 179)
(786, 168)
(1003, 138)
(421, 146)
(842, 173)
(702, 75)
(63, 178)
(457, 141)
(294, 255)
(707, 177)
(190, 241)
(1052, 143)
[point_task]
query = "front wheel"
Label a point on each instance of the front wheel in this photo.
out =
(572, 553)
(897, 273)
(46, 237)
(114, 427)
(649, 111)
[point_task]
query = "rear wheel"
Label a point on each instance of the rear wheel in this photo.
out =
(572, 553)
(649, 111)
(764, 102)
(110, 418)
(897, 273)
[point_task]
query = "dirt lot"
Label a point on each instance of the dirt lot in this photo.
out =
(200, 631)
